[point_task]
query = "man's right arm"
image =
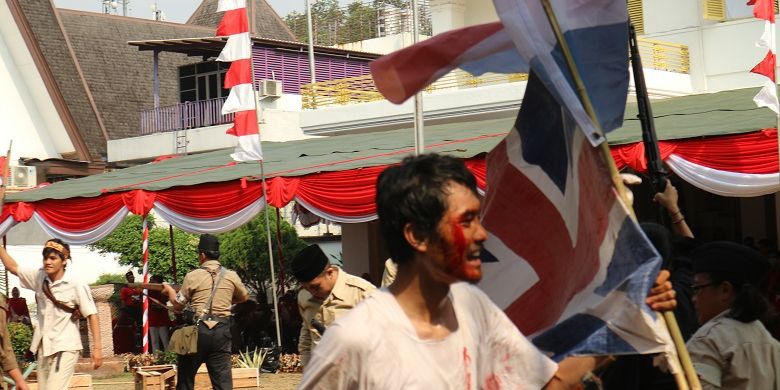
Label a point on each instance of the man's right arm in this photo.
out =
(9, 262)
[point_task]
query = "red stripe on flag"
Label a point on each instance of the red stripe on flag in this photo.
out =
(763, 9)
(240, 72)
(766, 67)
(400, 74)
(245, 123)
(564, 268)
(233, 22)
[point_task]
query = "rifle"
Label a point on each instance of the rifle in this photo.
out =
(149, 286)
(655, 166)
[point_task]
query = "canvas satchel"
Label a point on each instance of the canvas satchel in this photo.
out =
(184, 341)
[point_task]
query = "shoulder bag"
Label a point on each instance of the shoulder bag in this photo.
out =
(184, 341)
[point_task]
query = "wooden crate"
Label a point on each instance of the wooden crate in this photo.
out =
(161, 377)
(243, 378)
(77, 381)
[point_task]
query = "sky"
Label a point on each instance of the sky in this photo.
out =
(175, 10)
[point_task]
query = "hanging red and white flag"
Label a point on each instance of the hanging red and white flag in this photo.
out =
(767, 96)
(238, 51)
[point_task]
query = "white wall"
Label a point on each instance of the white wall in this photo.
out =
(479, 11)
(354, 247)
(86, 265)
(382, 45)
(28, 114)
(279, 121)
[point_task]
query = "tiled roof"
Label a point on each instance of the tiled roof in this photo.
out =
(49, 38)
(267, 22)
(120, 77)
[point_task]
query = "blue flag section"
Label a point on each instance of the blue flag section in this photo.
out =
(571, 269)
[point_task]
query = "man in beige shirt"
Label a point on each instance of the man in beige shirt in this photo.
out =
(57, 340)
(214, 338)
(327, 292)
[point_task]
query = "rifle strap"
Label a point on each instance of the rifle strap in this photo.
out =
(74, 311)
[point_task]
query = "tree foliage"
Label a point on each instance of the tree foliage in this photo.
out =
(109, 279)
(127, 239)
(332, 24)
(245, 250)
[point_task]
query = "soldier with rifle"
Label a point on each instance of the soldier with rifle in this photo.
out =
(209, 291)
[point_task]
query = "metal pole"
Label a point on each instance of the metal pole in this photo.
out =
(310, 31)
(271, 258)
(419, 124)
(265, 196)
(156, 78)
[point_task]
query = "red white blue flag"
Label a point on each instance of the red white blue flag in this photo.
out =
(563, 257)
(241, 101)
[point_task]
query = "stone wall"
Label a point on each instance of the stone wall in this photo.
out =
(101, 294)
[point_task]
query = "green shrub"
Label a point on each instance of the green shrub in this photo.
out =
(21, 338)
(166, 357)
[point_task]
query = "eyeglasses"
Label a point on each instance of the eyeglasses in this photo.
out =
(697, 287)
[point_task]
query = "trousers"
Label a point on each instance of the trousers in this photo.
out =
(213, 349)
(55, 371)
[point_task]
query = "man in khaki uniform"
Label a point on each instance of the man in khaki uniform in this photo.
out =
(327, 292)
(214, 338)
(7, 355)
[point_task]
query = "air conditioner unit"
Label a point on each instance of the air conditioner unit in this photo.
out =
(22, 177)
(270, 88)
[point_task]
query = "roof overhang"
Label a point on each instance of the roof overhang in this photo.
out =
(211, 46)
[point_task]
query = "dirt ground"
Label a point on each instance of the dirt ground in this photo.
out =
(281, 381)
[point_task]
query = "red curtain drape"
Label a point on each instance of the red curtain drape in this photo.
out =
(753, 153)
(211, 200)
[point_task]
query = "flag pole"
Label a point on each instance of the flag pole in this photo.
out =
(4, 174)
(419, 122)
(310, 32)
(265, 196)
(668, 316)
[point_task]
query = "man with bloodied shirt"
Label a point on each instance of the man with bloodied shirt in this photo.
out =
(431, 328)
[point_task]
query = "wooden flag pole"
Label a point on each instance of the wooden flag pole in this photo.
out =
(671, 321)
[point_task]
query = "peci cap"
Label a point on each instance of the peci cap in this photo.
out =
(740, 262)
(208, 242)
(309, 263)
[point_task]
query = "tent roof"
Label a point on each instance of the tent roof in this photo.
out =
(728, 112)
(693, 116)
(292, 158)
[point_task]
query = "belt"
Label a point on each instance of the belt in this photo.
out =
(222, 320)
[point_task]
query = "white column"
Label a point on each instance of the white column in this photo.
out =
(447, 15)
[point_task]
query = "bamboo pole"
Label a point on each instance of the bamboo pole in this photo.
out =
(265, 210)
(670, 320)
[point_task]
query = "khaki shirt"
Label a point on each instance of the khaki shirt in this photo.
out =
(7, 356)
(729, 354)
(346, 293)
(197, 286)
(56, 331)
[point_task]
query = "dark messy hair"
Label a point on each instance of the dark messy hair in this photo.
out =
(47, 250)
(416, 192)
(211, 255)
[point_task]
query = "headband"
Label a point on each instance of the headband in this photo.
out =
(59, 248)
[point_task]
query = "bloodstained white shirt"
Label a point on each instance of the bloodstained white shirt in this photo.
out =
(375, 346)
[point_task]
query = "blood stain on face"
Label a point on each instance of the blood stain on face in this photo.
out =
(457, 257)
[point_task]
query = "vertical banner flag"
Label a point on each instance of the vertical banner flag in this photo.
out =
(145, 304)
(767, 96)
(241, 100)
(563, 258)
(3, 173)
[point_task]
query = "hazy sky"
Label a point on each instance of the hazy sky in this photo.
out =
(175, 10)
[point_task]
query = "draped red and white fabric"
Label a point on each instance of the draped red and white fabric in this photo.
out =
(733, 165)
(767, 96)
(740, 165)
(3, 167)
(238, 51)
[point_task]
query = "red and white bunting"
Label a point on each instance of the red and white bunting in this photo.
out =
(767, 96)
(145, 253)
(238, 50)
